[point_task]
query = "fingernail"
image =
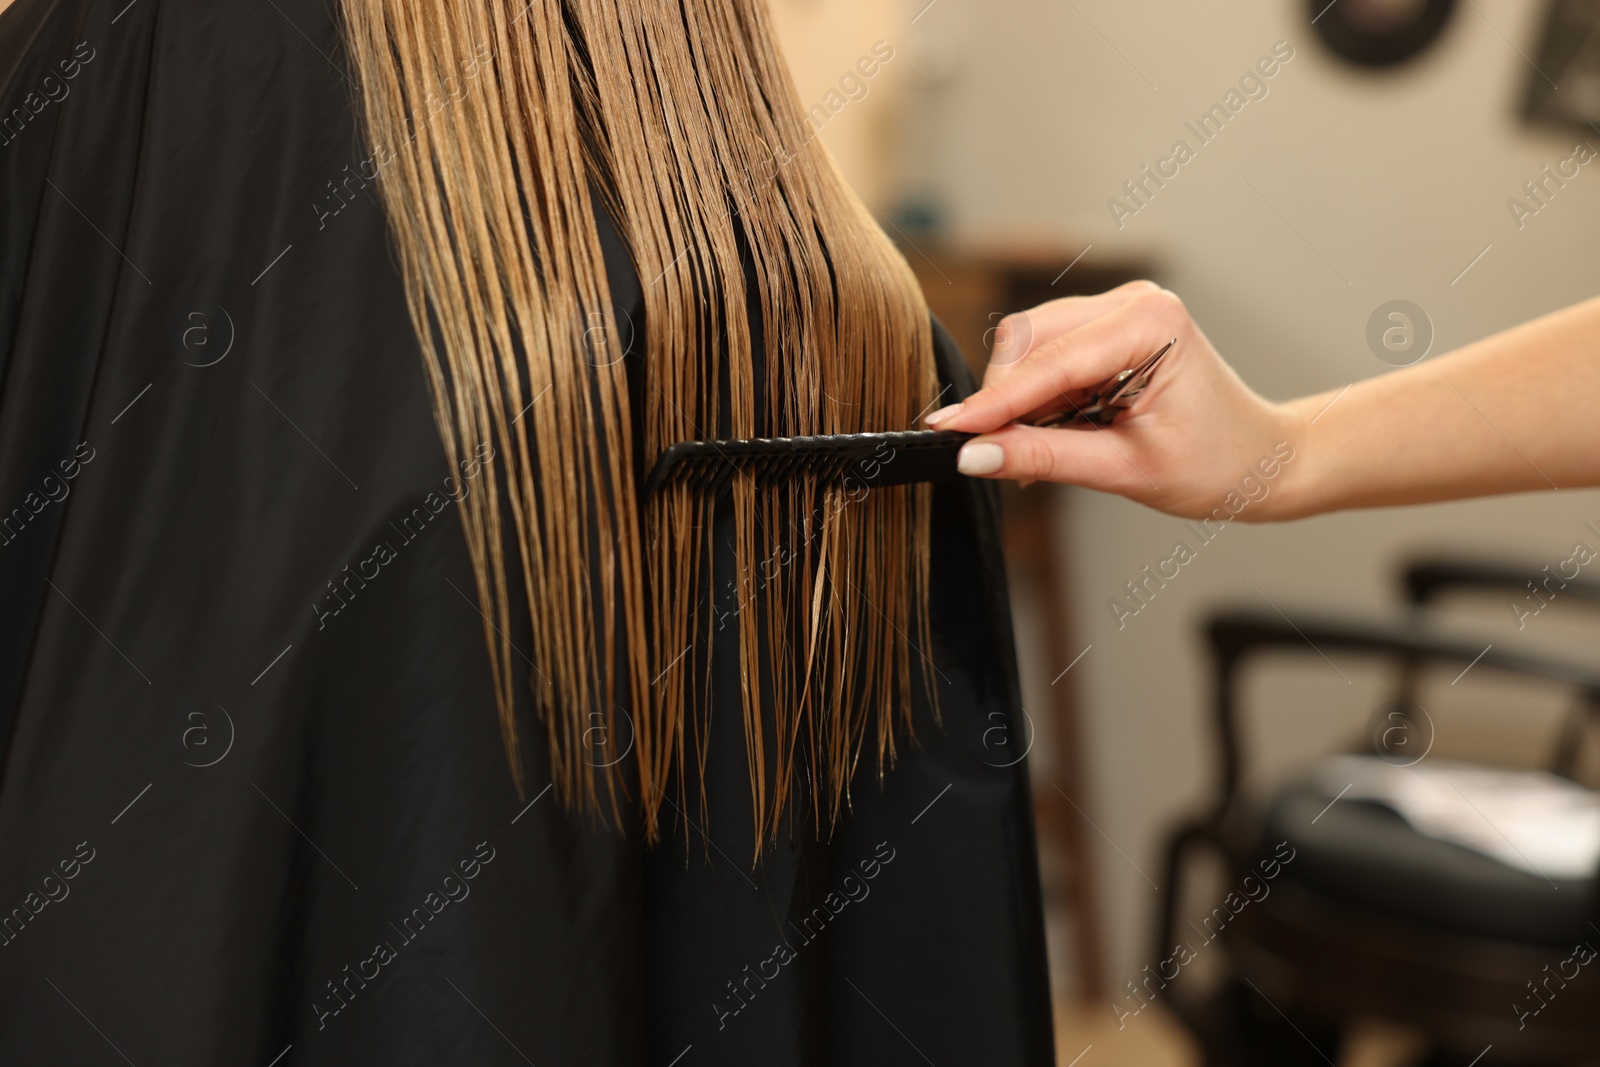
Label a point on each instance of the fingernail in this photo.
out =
(942, 414)
(980, 458)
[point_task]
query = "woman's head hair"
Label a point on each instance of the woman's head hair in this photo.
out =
(497, 126)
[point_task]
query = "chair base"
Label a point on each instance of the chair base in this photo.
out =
(1318, 962)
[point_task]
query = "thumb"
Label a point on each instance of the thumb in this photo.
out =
(1030, 453)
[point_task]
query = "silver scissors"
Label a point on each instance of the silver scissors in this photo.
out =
(1111, 397)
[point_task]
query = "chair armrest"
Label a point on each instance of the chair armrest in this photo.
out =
(1236, 635)
(1423, 581)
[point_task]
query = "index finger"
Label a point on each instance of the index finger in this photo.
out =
(1021, 334)
(1087, 356)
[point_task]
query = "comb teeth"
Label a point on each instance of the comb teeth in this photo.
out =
(870, 459)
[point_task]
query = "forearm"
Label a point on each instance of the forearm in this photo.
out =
(1514, 412)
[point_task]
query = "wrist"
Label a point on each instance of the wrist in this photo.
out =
(1302, 486)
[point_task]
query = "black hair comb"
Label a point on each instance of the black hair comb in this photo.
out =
(872, 460)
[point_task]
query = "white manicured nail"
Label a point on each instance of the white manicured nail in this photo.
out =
(981, 458)
(942, 414)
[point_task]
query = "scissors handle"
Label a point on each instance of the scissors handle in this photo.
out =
(1110, 398)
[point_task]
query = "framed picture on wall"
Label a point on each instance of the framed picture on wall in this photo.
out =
(1568, 56)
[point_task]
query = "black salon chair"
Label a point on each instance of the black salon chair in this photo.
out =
(1370, 918)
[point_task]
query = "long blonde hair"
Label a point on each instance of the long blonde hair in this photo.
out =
(497, 122)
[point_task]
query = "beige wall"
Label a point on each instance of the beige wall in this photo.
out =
(825, 41)
(1400, 181)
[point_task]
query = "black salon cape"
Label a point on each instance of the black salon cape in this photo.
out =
(249, 818)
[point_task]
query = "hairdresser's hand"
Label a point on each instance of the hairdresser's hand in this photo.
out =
(1194, 436)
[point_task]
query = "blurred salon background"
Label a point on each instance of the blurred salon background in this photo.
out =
(1381, 161)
